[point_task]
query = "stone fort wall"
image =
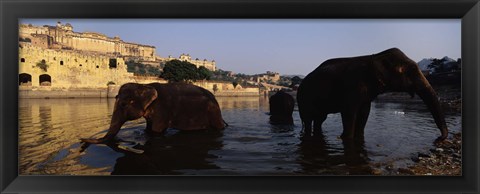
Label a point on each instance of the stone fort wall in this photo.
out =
(55, 62)
(63, 37)
(68, 69)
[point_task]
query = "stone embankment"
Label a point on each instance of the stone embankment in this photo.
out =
(46, 93)
(110, 92)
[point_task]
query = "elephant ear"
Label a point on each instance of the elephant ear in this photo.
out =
(147, 94)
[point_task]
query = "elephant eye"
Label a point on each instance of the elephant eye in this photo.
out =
(131, 101)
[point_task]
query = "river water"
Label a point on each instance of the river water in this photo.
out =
(49, 132)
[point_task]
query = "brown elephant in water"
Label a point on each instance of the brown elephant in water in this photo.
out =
(281, 108)
(174, 105)
(349, 85)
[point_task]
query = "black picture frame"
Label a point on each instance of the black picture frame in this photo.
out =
(11, 11)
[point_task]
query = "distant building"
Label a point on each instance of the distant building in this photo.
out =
(63, 37)
(210, 65)
(53, 57)
(273, 77)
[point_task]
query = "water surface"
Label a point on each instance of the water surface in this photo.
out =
(49, 132)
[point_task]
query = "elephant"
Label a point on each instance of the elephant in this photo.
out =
(281, 108)
(173, 105)
(349, 85)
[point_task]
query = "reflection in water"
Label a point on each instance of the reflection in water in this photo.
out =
(316, 156)
(170, 154)
(50, 130)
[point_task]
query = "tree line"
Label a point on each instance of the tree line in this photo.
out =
(173, 71)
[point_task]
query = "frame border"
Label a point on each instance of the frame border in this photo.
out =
(11, 11)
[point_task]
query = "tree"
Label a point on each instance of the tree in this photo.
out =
(204, 73)
(142, 69)
(42, 65)
(180, 71)
(215, 88)
(437, 65)
(295, 80)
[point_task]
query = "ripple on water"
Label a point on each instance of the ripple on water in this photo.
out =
(49, 132)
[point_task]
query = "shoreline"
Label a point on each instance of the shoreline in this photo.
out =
(445, 159)
(110, 92)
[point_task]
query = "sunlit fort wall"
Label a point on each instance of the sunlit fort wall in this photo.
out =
(67, 69)
(63, 37)
(90, 64)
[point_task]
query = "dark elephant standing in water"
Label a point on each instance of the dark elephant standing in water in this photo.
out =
(349, 85)
(281, 108)
(175, 105)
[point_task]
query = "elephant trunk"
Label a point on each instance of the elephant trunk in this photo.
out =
(115, 125)
(429, 97)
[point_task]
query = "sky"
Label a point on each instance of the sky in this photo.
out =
(286, 46)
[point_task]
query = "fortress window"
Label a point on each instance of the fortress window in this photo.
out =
(22, 60)
(86, 61)
(112, 63)
(80, 65)
(45, 80)
(75, 60)
(43, 61)
(54, 58)
(98, 66)
(61, 62)
(24, 79)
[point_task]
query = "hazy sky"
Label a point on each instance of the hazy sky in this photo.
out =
(285, 46)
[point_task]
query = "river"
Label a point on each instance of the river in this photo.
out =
(50, 129)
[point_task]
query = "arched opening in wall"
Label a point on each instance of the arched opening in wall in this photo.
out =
(22, 60)
(45, 80)
(24, 79)
(61, 62)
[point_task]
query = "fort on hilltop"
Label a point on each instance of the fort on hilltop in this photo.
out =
(63, 37)
(55, 61)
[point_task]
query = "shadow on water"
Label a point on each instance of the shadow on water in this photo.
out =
(177, 153)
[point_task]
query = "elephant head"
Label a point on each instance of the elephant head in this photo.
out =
(395, 72)
(131, 103)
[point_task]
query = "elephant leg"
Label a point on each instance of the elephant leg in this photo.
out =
(349, 118)
(362, 117)
(317, 124)
(149, 125)
(307, 127)
(157, 128)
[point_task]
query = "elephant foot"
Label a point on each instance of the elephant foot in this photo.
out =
(306, 137)
(441, 139)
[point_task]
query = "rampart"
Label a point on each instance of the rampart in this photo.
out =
(55, 62)
(67, 69)
(63, 37)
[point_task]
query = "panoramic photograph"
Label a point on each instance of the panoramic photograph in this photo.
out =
(281, 97)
